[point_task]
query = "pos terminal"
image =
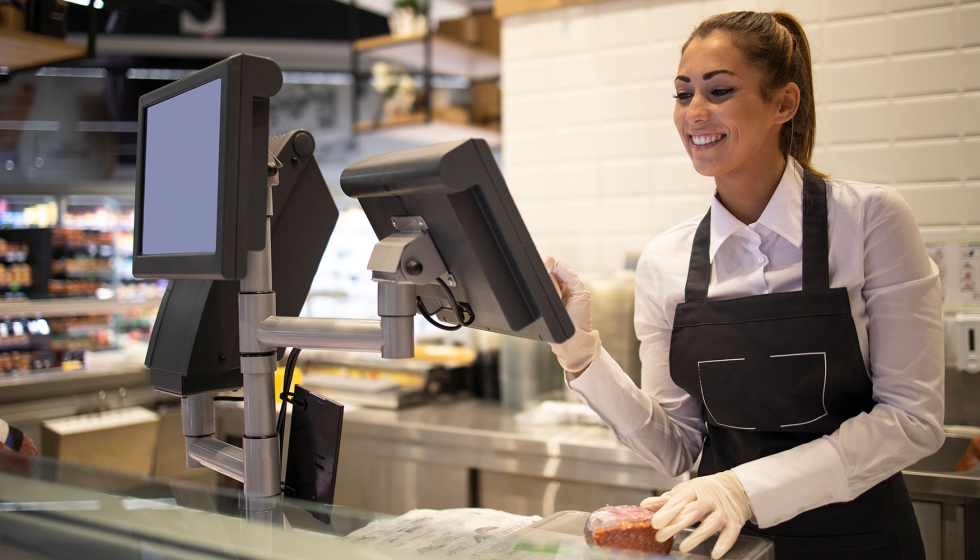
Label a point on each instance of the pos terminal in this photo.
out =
(452, 246)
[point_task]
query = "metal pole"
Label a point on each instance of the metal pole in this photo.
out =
(197, 421)
(218, 456)
(93, 29)
(352, 335)
(427, 66)
(396, 306)
(257, 302)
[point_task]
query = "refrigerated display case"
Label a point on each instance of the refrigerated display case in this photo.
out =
(66, 267)
(54, 510)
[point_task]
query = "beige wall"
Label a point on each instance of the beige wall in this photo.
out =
(592, 157)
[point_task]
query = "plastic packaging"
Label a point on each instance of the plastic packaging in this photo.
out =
(625, 528)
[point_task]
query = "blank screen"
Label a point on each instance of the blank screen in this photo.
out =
(180, 172)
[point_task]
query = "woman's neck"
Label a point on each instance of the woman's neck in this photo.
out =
(746, 192)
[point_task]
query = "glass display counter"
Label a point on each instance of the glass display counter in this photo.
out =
(52, 510)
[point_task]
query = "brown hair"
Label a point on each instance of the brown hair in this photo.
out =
(775, 43)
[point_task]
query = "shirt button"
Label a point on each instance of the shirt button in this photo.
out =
(762, 259)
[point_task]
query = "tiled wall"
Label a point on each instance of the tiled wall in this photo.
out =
(593, 159)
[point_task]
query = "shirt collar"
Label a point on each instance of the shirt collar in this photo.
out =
(783, 213)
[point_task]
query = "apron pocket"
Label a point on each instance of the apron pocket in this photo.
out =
(802, 380)
(726, 388)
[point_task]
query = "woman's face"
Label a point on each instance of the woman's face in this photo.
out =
(724, 121)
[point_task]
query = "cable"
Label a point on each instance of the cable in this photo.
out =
(460, 309)
(287, 381)
(229, 398)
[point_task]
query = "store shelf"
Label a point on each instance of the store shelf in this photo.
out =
(29, 188)
(70, 307)
(434, 132)
(380, 41)
(448, 57)
(20, 50)
(401, 120)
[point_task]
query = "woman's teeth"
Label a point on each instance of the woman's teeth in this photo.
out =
(706, 139)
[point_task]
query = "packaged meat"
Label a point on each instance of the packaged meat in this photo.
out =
(625, 528)
(971, 458)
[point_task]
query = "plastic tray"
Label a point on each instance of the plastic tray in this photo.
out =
(561, 536)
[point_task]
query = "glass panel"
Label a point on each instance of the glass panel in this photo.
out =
(52, 510)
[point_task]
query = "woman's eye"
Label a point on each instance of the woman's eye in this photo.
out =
(718, 92)
(682, 96)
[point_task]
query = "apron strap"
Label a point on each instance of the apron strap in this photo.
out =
(816, 271)
(699, 271)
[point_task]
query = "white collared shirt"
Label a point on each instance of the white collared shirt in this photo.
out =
(877, 253)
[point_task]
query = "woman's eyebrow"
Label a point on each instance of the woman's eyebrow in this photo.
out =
(707, 76)
(714, 73)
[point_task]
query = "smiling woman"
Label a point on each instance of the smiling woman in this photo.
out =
(791, 336)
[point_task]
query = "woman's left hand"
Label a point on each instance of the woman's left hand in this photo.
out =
(718, 501)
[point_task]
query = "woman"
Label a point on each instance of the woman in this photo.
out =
(792, 335)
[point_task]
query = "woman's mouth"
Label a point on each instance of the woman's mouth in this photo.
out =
(706, 139)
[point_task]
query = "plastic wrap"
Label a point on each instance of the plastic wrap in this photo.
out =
(624, 528)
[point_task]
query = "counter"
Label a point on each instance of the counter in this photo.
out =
(472, 453)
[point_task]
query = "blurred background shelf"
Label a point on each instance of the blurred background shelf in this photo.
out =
(71, 307)
(20, 49)
(414, 129)
(449, 56)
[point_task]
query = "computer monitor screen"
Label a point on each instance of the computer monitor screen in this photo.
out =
(459, 193)
(180, 181)
(202, 171)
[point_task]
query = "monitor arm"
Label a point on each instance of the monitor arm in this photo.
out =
(399, 263)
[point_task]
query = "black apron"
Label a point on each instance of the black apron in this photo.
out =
(775, 371)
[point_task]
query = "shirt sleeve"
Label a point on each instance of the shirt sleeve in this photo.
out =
(660, 422)
(903, 298)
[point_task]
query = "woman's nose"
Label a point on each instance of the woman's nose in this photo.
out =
(697, 109)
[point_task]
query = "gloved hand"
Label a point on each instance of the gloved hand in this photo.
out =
(578, 352)
(15, 440)
(718, 501)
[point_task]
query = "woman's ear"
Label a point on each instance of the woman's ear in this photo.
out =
(787, 101)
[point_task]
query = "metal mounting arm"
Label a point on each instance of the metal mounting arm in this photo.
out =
(399, 263)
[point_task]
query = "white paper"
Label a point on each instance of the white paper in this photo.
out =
(440, 533)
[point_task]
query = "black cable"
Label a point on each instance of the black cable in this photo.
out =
(460, 309)
(287, 381)
(234, 399)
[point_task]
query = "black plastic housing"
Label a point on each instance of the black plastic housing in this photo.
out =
(314, 447)
(247, 83)
(194, 344)
(458, 190)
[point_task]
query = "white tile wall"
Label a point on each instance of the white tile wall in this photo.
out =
(969, 69)
(843, 9)
(924, 74)
(859, 38)
(968, 19)
(593, 159)
(852, 81)
(921, 31)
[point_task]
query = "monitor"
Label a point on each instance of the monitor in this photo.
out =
(201, 171)
(459, 192)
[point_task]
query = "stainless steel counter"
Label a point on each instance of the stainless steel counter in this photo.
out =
(28, 400)
(473, 453)
(485, 435)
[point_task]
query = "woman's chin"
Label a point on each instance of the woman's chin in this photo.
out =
(706, 168)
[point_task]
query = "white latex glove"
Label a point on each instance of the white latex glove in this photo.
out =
(578, 352)
(718, 501)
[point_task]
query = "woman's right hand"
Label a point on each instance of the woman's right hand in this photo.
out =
(578, 352)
